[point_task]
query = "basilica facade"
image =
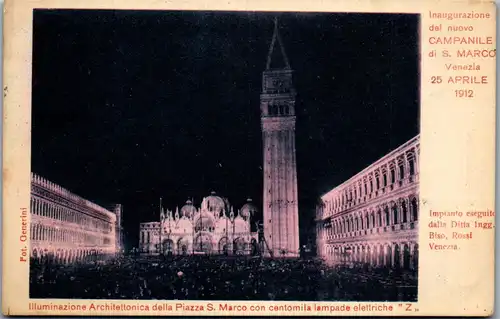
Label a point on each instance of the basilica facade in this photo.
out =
(213, 228)
(66, 227)
(373, 216)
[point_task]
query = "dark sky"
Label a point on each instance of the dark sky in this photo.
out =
(131, 106)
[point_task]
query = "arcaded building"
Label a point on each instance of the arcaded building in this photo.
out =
(67, 228)
(373, 216)
(213, 228)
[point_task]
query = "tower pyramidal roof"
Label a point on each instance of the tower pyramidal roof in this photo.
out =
(274, 61)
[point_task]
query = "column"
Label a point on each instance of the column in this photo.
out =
(397, 175)
(408, 213)
(374, 250)
(401, 255)
(393, 255)
(384, 252)
(377, 255)
(391, 164)
(417, 159)
(406, 167)
(381, 176)
(403, 166)
(400, 211)
(412, 248)
(385, 177)
(415, 255)
(364, 188)
(391, 213)
(374, 255)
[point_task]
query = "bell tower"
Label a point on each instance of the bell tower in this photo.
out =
(280, 200)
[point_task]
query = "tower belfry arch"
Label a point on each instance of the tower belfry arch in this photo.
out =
(280, 199)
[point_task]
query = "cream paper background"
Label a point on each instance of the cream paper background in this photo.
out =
(457, 163)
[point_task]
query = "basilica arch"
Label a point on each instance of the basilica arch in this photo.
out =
(183, 246)
(168, 246)
(224, 246)
(203, 243)
(239, 246)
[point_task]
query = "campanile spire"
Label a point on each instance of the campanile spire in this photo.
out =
(277, 37)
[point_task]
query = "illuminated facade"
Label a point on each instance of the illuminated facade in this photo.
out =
(373, 217)
(214, 228)
(67, 228)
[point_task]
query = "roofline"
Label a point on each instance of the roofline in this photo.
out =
(371, 166)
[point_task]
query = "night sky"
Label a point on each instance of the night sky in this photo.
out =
(131, 106)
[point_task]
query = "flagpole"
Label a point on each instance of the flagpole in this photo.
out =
(161, 229)
(234, 243)
(193, 224)
(201, 230)
(225, 249)
(170, 252)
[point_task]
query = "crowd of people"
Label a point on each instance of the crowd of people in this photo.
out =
(220, 278)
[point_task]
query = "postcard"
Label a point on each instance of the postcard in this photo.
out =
(235, 158)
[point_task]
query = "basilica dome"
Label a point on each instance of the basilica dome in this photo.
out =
(188, 209)
(214, 203)
(248, 210)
